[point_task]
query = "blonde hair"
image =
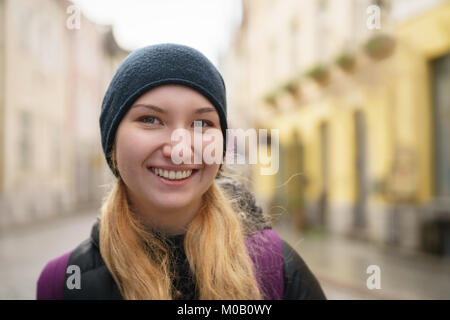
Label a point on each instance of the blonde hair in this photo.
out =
(139, 260)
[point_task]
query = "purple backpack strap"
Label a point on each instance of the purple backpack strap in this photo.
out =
(50, 285)
(265, 250)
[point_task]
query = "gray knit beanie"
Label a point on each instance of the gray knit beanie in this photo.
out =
(152, 66)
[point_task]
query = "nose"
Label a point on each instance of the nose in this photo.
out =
(181, 147)
(167, 150)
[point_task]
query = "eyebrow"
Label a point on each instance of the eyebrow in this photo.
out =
(149, 106)
(160, 110)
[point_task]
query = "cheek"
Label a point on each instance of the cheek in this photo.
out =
(132, 148)
(210, 172)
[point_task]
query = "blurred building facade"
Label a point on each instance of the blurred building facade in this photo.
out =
(94, 57)
(363, 114)
(52, 78)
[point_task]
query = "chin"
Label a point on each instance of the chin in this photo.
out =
(171, 203)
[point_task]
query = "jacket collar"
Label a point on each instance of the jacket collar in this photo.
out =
(95, 233)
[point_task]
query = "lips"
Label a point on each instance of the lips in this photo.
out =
(172, 176)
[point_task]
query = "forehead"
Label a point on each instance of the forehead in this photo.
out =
(174, 98)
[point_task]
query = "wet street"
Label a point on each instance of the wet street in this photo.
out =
(339, 264)
(25, 251)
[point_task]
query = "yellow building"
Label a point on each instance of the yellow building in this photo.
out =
(362, 114)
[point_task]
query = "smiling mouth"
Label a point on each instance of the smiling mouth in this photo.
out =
(173, 175)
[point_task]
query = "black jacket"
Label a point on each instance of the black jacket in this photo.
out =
(97, 282)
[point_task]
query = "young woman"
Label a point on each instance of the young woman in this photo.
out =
(171, 229)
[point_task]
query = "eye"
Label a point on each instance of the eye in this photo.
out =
(149, 119)
(204, 123)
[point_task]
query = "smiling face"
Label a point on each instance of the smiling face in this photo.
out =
(159, 190)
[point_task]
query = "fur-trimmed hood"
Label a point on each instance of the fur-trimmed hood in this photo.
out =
(245, 204)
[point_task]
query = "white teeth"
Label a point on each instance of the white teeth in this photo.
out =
(172, 175)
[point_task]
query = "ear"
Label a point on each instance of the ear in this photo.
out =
(114, 161)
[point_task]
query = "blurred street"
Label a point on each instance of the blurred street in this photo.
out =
(25, 251)
(339, 264)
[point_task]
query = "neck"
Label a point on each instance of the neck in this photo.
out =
(171, 221)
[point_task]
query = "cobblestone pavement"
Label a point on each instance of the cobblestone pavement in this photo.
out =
(340, 264)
